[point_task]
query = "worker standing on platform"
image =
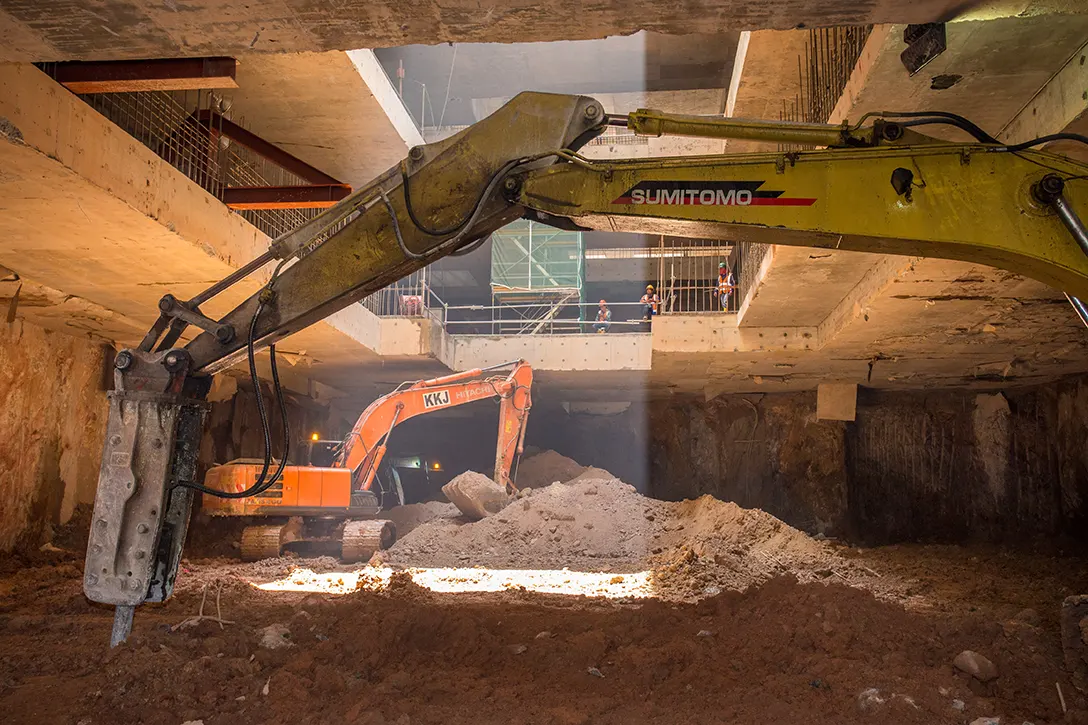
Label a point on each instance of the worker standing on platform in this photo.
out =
(604, 318)
(650, 300)
(726, 284)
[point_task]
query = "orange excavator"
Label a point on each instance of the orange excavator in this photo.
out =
(337, 507)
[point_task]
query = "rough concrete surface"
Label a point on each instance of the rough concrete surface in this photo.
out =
(475, 495)
(317, 107)
(141, 29)
(945, 465)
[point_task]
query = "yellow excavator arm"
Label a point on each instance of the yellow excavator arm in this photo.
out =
(882, 187)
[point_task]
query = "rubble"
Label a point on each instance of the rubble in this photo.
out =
(476, 495)
(976, 665)
(595, 522)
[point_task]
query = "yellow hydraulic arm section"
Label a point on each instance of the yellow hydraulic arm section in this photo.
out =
(875, 188)
(956, 202)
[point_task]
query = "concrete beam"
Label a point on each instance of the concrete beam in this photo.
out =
(802, 286)
(170, 74)
(217, 124)
(1060, 105)
(557, 353)
(375, 78)
(93, 213)
(56, 30)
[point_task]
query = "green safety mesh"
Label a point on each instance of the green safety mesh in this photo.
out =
(534, 257)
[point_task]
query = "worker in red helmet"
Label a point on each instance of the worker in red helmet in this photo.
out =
(604, 318)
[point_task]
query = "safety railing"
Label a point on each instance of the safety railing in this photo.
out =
(687, 281)
(407, 297)
(750, 261)
(572, 318)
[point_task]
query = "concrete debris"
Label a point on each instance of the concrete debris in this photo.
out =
(476, 495)
(705, 633)
(959, 705)
(594, 671)
(974, 664)
(544, 635)
(193, 722)
(276, 636)
(986, 721)
(870, 699)
(517, 649)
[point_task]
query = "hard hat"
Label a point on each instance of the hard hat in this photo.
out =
(649, 287)
(721, 265)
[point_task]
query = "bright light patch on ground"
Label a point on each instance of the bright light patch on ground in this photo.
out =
(458, 580)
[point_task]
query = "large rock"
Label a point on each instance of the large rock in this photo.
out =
(476, 495)
(975, 665)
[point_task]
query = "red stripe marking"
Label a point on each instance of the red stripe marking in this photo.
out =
(782, 202)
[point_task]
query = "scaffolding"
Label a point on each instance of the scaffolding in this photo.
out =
(537, 278)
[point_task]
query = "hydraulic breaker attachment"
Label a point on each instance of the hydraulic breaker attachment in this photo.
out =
(141, 511)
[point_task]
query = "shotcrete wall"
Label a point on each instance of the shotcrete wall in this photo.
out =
(945, 465)
(52, 421)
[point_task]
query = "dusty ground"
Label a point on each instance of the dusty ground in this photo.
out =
(821, 633)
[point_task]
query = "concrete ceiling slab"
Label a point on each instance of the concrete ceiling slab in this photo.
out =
(42, 30)
(997, 67)
(317, 107)
(803, 286)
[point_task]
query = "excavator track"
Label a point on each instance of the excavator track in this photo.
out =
(362, 538)
(262, 542)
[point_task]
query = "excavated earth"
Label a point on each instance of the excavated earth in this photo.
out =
(747, 621)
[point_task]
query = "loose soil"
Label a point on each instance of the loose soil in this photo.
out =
(753, 622)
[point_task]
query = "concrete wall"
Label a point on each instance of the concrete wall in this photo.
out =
(545, 352)
(52, 422)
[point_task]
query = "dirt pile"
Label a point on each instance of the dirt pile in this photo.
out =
(408, 517)
(595, 522)
(545, 468)
(711, 545)
(589, 525)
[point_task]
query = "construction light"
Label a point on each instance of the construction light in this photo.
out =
(315, 437)
(436, 466)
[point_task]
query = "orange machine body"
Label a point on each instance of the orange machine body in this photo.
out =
(301, 490)
(339, 490)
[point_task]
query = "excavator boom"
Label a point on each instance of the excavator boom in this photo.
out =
(878, 188)
(365, 446)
